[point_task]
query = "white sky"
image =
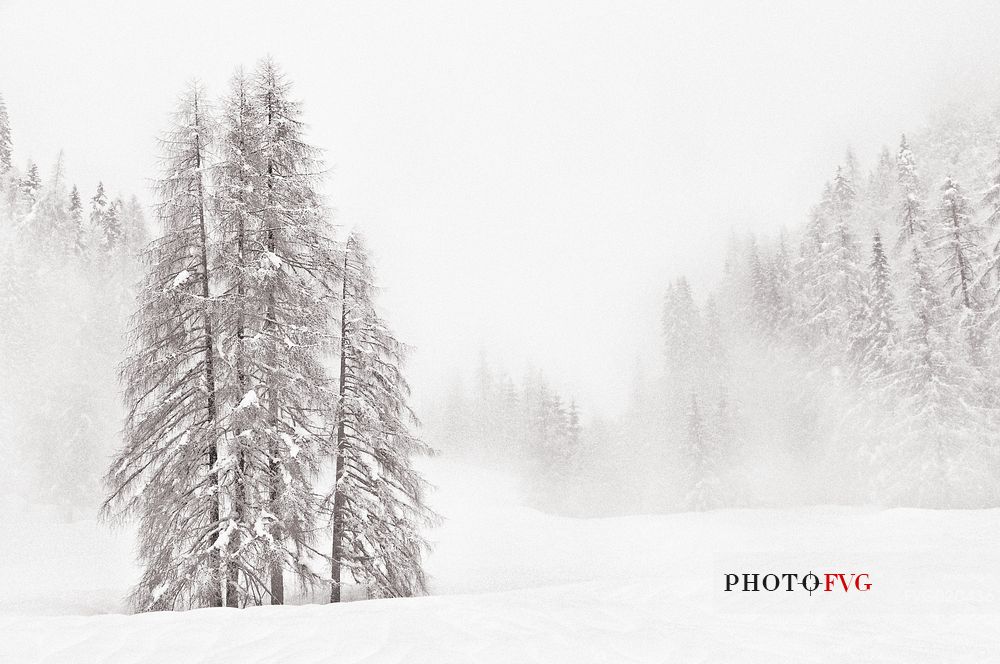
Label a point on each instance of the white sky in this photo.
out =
(530, 174)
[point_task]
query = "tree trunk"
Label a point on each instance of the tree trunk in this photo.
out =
(239, 491)
(213, 452)
(277, 574)
(338, 495)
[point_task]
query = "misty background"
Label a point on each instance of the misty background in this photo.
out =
(630, 248)
(529, 177)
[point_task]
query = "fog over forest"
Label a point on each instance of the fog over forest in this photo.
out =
(849, 357)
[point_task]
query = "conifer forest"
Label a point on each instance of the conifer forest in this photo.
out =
(475, 332)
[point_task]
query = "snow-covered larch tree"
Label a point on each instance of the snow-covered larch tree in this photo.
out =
(167, 474)
(280, 270)
(377, 500)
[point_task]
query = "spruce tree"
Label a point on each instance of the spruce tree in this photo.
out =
(96, 239)
(874, 343)
(844, 192)
(940, 401)
(816, 304)
(111, 233)
(912, 222)
(30, 185)
(781, 283)
(76, 217)
(377, 500)
(959, 242)
(834, 274)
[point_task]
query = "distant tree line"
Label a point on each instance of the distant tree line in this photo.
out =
(526, 427)
(853, 358)
(67, 268)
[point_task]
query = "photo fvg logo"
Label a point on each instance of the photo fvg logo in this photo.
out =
(810, 582)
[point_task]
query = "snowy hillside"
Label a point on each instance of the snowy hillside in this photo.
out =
(513, 585)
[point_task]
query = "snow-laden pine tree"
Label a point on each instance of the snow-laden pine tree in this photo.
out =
(95, 238)
(808, 291)
(30, 184)
(844, 190)
(167, 473)
(377, 500)
(76, 217)
(6, 145)
(280, 271)
(762, 310)
(869, 406)
(781, 283)
(959, 242)
(874, 342)
(940, 418)
(110, 231)
(833, 276)
(911, 216)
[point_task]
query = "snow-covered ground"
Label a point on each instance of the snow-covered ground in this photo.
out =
(513, 585)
